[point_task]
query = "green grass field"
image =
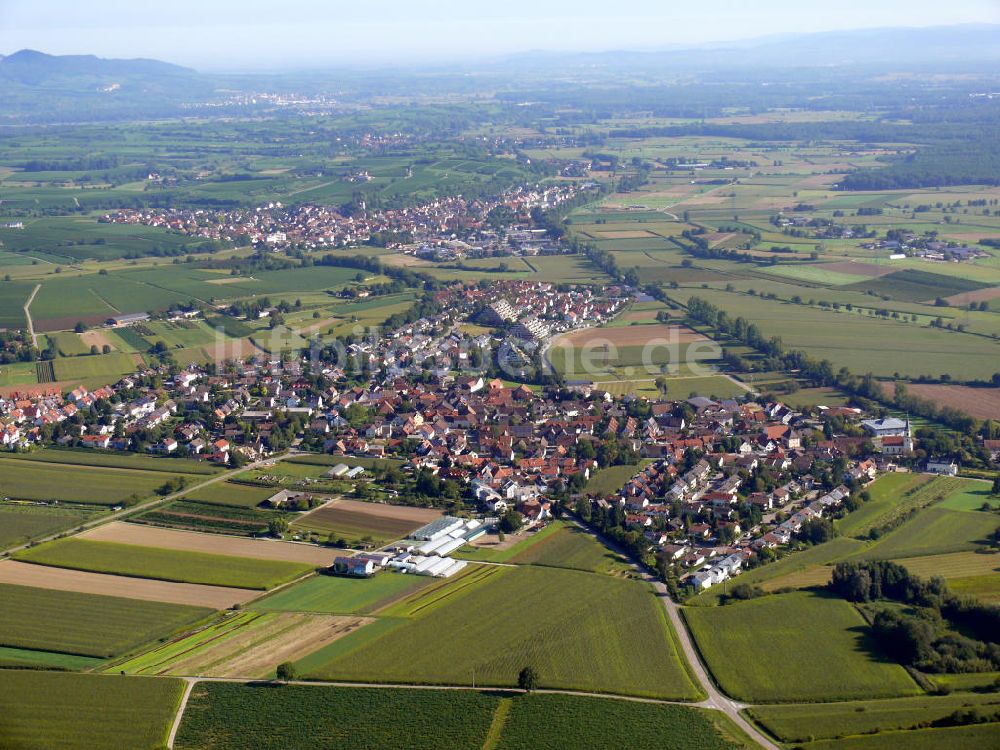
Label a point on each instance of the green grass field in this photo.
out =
(935, 531)
(816, 721)
(46, 710)
(579, 630)
(21, 523)
(610, 480)
(794, 647)
(85, 624)
(971, 497)
(68, 344)
(572, 547)
(21, 658)
(886, 494)
(35, 480)
(338, 595)
(163, 564)
(103, 368)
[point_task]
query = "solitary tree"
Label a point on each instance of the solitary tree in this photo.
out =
(527, 680)
(286, 671)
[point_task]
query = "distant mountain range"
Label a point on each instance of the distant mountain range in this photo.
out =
(32, 68)
(970, 43)
(38, 87)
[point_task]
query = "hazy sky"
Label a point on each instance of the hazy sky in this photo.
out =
(252, 34)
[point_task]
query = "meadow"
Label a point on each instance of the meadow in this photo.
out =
(26, 658)
(85, 624)
(935, 531)
(892, 505)
(886, 492)
(36, 480)
(95, 369)
(610, 480)
(164, 564)
(84, 711)
(799, 646)
(614, 620)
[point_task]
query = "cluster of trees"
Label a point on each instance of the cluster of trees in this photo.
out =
(610, 522)
(939, 632)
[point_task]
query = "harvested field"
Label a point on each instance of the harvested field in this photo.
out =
(194, 541)
(981, 403)
(354, 518)
(714, 239)
(256, 650)
(628, 336)
(59, 579)
(233, 349)
(856, 269)
(977, 295)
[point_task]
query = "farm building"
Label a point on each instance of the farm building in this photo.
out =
(356, 567)
(120, 321)
(437, 528)
(338, 471)
(436, 567)
(284, 497)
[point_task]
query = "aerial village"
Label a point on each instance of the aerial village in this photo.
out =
(719, 485)
(443, 229)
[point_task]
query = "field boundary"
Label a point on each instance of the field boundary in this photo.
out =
(179, 714)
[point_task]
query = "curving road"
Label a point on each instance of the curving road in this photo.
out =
(716, 699)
